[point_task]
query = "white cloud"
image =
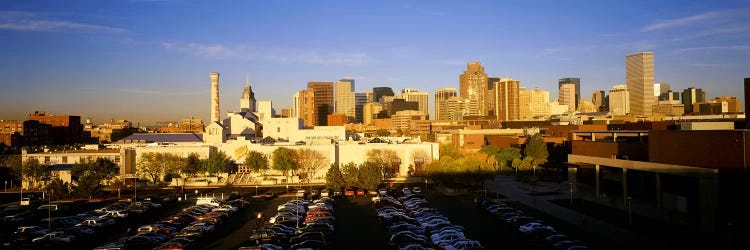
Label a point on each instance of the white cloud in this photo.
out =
(27, 21)
(286, 55)
(738, 48)
(703, 17)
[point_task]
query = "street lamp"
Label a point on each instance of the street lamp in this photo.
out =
(630, 212)
(571, 192)
(260, 220)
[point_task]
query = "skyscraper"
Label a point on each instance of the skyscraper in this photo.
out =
(577, 83)
(414, 95)
(598, 98)
(619, 100)
(306, 102)
(567, 96)
(639, 78)
(473, 85)
(506, 100)
(456, 108)
(215, 115)
(345, 101)
(691, 96)
(323, 101)
(359, 102)
(379, 92)
(441, 97)
(491, 82)
(533, 103)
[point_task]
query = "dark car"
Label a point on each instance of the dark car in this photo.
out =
(307, 236)
(269, 195)
(266, 236)
(314, 244)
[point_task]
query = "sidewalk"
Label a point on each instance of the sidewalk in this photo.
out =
(518, 191)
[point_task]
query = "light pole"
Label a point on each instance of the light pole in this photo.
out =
(571, 192)
(49, 211)
(6, 186)
(630, 212)
(260, 220)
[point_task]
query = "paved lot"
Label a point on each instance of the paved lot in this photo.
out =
(357, 225)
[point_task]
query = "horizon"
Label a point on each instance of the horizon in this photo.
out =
(105, 60)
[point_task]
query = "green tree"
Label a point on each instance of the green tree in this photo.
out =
(58, 188)
(218, 162)
(524, 164)
(536, 149)
(334, 177)
(450, 150)
(309, 162)
(369, 175)
(256, 161)
(32, 171)
(283, 160)
(89, 175)
(382, 132)
(350, 172)
(383, 158)
(158, 165)
(192, 165)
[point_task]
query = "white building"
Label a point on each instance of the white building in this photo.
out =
(619, 100)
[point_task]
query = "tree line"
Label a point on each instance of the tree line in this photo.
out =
(377, 166)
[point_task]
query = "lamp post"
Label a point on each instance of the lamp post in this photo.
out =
(571, 192)
(6, 186)
(630, 212)
(260, 220)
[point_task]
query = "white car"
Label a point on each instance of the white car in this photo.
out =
(122, 214)
(325, 193)
(535, 226)
(57, 235)
(227, 208)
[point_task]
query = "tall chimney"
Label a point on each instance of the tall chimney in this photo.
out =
(215, 117)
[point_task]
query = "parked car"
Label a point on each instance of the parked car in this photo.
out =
(360, 192)
(536, 228)
(349, 192)
(268, 195)
(325, 193)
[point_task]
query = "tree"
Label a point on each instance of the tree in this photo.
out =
(218, 162)
(350, 172)
(192, 165)
(382, 132)
(502, 155)
(383, 159)
(536, 149)
(334, 177)
(524, 164)
(309, 162)
(369, 175)
(450, 150)
(157, 165)
(283, 160)
(32, 171)
(256, 161)
(58, 188)
(89, 175)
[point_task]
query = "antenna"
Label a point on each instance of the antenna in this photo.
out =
(248, 78)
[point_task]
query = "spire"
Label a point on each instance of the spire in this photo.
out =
(247, 75)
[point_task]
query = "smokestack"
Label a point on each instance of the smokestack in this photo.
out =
(747, 105)
(215, 117)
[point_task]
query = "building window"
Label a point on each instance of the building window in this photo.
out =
(46, 160)
(64, 159)
(117, 159)
(278, 130)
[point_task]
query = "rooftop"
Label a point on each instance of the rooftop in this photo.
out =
(162, 137)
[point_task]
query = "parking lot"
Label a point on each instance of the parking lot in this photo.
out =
(356, 223)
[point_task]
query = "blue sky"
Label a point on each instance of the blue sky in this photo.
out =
(148, 61)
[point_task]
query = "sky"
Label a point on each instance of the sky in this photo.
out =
(149, 60)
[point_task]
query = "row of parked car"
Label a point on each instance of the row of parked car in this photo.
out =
(298, 224)
(73, 231)
(181, 230)
(414, 224)
(529, 225)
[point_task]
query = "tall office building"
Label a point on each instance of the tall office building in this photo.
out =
(456, 108)
(619, 100)
(306, 107)
(506, 100)
(567, 96)
(575, 81)
(414, 95)
(491, 82)
(639, 77)
(215, 114)
(533, 103)
(370, 96)
(441, 96)
(691, 96)
(379, 92)
(296, 105)
(323, 101)
(661, 87)
(599, 100)
(370, 111)
(733, 106)
(345, 100)
(359, 102)
(473, 85)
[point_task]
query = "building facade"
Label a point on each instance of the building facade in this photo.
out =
(441, 97)
(576, 87)
(345, 99)
(507, 100)
(323, 101)
(619, 100)
(421, 98)
(639, 77)
(473, 86)
(567, 96)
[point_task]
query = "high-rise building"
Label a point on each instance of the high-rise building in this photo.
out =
(599, 100)
(336, 119)
(370, 111)
(587, 107)
(414, 95)
(296, 106)
(379, 92)
(441, 96)
(473, 85)
(399, 104)
(457, 107)
(691, 96)
(577, 94)
(619, 100)
(306, 101)
(669, 108)
(733, 106)
(402, 119)
(660, 88)
(215, 114)
(323, 101)
(345, 99)
(506, 100)
(669, 96)
(567, 96)
(639, 78)
(370, 96)
(63, 129)
(359, 102)
(533, 103)
(491, 82)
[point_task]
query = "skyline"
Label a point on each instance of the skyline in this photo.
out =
(118, 59)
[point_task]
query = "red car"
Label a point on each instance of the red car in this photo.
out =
(360, 192)
(349, 192)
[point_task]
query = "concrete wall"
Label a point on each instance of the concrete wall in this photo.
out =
(635, 151)
(715, 149)
(357, 153)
